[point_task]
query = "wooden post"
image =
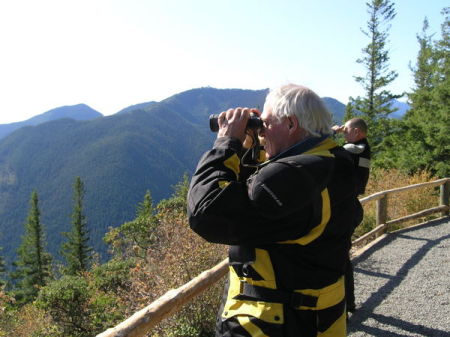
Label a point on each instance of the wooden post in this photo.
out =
(381, 216)
(445, 191)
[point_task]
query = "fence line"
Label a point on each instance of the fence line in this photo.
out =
(144, 320)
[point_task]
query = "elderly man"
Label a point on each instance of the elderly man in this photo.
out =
(288, 224)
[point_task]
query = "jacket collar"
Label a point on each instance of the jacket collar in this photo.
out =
(301, 147)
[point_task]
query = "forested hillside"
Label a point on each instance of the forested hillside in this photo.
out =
(118, 157)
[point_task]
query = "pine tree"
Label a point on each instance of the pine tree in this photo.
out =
(2, 271)
(422, 140)
(33, 267)
(438, 131)
(76, 250)
(416, 156)
(423, 71)
(426, 126)
(375, 105)
(138, 235)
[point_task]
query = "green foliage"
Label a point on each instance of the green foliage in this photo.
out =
(136, 236)
(76, 249)
(198, 318)
(178, 200)
(112, 276)
(67, 301)
(77, 308)
(27, 321)
(349, 112)
(2, 271)
(33, 267)
(375, 106)
(197, 327)
(421, 141)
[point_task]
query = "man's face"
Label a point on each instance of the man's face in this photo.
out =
(275, 134)
(351, 134)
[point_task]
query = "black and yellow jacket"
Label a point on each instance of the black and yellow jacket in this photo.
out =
(288, 226)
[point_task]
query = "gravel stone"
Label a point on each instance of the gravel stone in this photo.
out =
(402, 284)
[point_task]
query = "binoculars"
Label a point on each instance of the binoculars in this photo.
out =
(254, 122)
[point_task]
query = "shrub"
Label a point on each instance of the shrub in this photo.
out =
(399, 204)
(78, 308)
(174, 256)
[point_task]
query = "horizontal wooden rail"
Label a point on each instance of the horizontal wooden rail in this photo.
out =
(425, 212)
(380, 229)
(381, 212)
(143, 321)
(380, 195)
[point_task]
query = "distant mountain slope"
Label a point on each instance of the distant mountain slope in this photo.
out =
(148, 146)
(139, 106)
(118, 157)
(336, 108)
(402, 109)
(77, 112)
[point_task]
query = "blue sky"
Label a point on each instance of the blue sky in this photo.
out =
(110, 54)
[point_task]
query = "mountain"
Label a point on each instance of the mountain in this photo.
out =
(77, 112)
(118, 158)
(148, 146)
(402, 109)
(139, 106)
(336, 108)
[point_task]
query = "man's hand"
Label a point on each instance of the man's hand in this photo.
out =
(233, 122)
(338, 128)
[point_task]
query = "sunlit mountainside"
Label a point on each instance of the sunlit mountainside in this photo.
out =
(148, 146)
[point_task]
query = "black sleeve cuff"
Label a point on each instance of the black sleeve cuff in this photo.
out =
(228, 142)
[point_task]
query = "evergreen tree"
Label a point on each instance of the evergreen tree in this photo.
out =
(423, 71)
(2, 271)
(76, 250)
(438, 131)
(138, 234)
(178, 200)
(375, 105)
(33, 266)
(426, 126)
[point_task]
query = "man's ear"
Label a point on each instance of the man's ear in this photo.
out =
(293, 122)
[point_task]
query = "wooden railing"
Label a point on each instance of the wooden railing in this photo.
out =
(381, 198)
(143, 321)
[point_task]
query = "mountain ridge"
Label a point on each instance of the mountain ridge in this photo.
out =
(148, 146)
(118, 157)
(78, 112)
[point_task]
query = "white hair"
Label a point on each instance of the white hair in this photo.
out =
(303, 103)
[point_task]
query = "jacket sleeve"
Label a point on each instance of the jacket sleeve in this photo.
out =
(355, 148)
(223, 209)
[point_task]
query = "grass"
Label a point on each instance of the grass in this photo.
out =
(399, 204)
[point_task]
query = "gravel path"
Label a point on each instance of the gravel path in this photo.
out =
(402, 284)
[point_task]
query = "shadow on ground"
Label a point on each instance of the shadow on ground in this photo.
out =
(356, 322)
